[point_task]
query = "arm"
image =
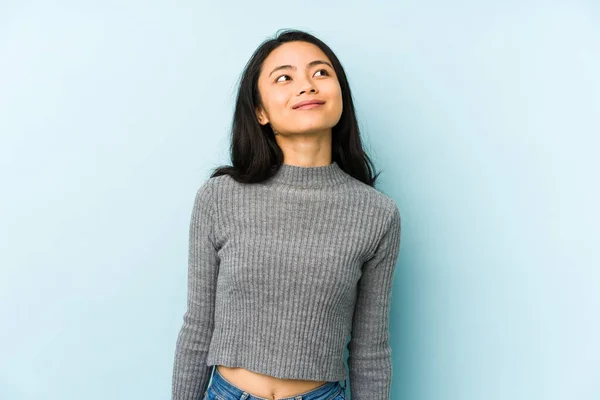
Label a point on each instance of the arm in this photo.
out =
(369, 360)
(190, 372)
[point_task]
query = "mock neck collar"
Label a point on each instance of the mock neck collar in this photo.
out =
(294, 175)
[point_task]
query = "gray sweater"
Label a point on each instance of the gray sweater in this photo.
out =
(281, 272)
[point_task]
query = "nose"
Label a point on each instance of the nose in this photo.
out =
(309, 88)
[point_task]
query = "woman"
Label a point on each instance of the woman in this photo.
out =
(292, 249)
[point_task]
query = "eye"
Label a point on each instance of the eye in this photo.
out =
(277, 80)
(322, 69)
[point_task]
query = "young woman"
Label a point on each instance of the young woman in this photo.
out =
(292, 249)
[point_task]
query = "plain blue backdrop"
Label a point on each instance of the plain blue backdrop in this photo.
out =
(483, 115)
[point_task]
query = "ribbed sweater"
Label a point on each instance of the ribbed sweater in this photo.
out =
(281, 272)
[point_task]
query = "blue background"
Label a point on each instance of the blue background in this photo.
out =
(484, 117)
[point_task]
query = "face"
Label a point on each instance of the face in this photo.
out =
(296, 72)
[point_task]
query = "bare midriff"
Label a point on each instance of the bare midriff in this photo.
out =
(266, 386)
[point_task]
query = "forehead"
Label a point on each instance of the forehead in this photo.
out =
(294, 53)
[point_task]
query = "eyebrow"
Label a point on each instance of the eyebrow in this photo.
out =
(310, 64)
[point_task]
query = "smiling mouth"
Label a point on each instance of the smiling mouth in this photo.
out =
(308, 106)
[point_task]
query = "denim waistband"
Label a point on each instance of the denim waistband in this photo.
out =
(226, 389)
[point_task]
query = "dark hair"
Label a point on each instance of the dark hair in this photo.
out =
(255, 154)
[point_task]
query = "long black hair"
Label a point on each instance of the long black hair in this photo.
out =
(255, 154)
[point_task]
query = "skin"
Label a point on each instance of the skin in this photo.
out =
(304, 136)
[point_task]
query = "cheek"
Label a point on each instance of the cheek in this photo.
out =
(336, 96)
(278, 100)
(334, 92)
(273, 100)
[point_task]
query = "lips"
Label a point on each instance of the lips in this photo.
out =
(307, 102)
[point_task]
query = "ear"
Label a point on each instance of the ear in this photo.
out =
(261, 116)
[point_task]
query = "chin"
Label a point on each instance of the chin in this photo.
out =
(312, 129)
(317, 125)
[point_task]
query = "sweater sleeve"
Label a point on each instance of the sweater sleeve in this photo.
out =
(369, 360)
(190, 372)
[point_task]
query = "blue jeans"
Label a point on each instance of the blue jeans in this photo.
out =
(221, 389)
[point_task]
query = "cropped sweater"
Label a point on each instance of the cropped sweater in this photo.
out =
(281, 272)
